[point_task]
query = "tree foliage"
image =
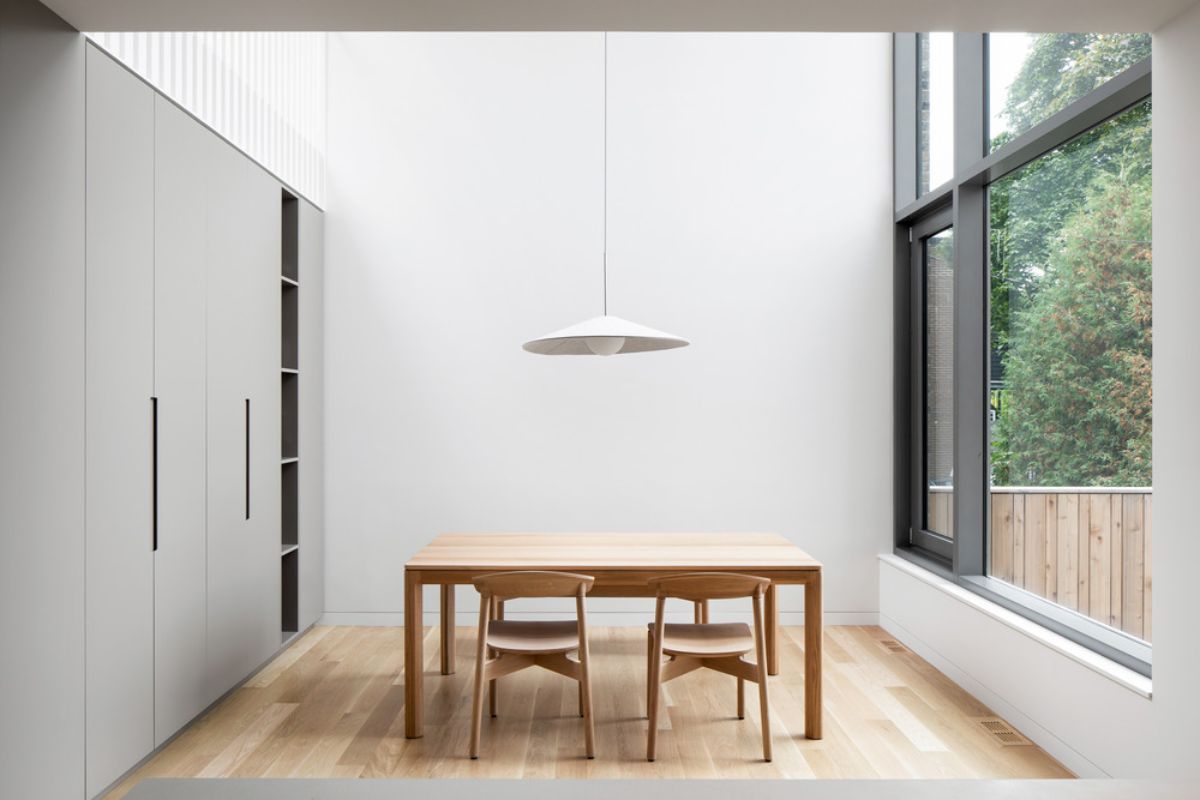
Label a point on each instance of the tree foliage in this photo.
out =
(1070, 284)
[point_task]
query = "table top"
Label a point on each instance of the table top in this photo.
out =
(612, 551)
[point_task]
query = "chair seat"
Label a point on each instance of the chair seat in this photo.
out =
(533, 636)
(724, 639)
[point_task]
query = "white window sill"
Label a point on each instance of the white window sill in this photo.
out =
(1115, 672)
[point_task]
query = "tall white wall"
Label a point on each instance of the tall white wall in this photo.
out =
(1176, 387)
(749, 211)
(41, 403)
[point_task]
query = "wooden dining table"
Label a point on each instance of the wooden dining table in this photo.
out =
(622, 564)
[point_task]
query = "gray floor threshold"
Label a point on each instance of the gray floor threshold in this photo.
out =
(350, 789)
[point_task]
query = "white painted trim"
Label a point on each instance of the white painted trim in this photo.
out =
(597, 618)
(1120, 675)
(1056, 747)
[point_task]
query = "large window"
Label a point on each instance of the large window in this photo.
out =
(938, 257)
(1026, 333)
(935, 64)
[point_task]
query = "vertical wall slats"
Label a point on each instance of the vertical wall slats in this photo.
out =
(265, 92)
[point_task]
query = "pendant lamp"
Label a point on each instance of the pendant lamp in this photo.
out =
(605, 335)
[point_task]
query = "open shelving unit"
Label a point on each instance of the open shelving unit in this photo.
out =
(289, 550)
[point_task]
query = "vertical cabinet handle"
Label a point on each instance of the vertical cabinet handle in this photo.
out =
(154, 472)
(247, 458)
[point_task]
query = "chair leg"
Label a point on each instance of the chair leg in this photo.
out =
(655, 702)
(741, 698)
(477, 701)
(585, 700)
(762, 668)
(766, 714)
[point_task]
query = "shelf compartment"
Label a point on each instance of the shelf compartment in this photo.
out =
(289, 519)
(289, 596)
(290, 416)
(290, 308)
(291, 237)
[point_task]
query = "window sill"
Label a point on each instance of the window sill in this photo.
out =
(1121, 675)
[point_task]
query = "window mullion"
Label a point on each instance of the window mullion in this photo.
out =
(970, 308)
(971, 504)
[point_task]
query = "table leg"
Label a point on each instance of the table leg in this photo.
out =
(414, 657)
(494, 686)
(772, 614)
(447, 619)
(812, 657)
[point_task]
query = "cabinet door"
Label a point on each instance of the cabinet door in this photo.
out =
(119, 385)
(180, 692)
(242, 205)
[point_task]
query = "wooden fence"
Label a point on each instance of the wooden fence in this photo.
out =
(1087, 550)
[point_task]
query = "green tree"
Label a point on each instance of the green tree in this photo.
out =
(1078, 369)
(1038, 221)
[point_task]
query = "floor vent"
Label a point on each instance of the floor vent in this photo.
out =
(893, 645)
(1002, 732)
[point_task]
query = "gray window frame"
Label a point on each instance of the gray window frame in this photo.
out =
(963, 202)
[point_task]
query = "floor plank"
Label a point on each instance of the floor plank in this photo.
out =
(332, 705)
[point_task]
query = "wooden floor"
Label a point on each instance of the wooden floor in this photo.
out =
(332, 705)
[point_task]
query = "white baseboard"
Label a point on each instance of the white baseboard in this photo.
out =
(596, 618)
(1056, 747)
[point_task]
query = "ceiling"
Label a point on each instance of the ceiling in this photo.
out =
(619, 15)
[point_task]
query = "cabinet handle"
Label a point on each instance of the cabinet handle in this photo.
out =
(154, 472)
(247, 458)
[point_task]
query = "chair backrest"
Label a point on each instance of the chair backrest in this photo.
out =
(533, 583)
(709, 586)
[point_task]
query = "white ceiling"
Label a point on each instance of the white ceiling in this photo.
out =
(619, 15)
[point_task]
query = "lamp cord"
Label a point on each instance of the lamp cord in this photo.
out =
(606, 173)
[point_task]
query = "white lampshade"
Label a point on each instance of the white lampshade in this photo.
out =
(605, 335)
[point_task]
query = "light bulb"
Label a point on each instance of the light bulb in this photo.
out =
(605, 345)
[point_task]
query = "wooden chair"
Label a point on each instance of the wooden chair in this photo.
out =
(716, 646)
(507, 646)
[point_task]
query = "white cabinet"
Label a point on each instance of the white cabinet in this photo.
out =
(119, 614)
(243, 333)
(180, 687)
(181, 438)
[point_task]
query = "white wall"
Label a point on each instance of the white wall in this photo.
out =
(749, 210)
(1176, 387)
(41, 403)
(1067, 699)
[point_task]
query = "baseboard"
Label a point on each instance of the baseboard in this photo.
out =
(1069, 757)
(596, 618)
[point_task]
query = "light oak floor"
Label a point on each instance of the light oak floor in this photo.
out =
(332, 705)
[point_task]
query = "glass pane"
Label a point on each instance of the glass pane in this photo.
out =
(939, 383)
(1070, 463)
(935, 109)
(1034, 75)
